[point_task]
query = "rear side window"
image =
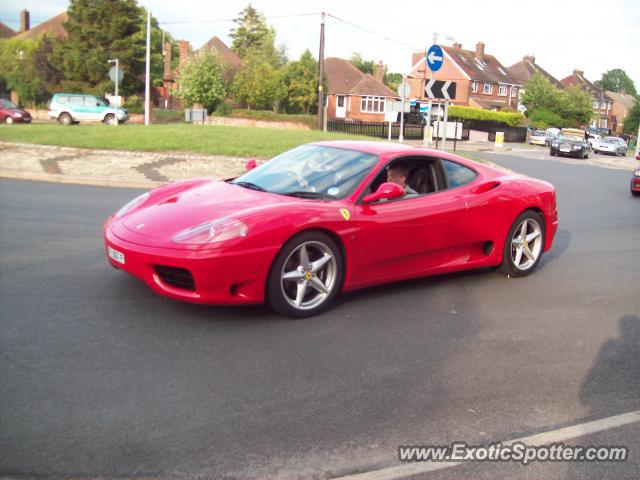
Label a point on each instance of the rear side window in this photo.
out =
(77, 101)
(62, 100)
(457, 175)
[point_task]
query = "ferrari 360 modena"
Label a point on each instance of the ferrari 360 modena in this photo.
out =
(324, 218)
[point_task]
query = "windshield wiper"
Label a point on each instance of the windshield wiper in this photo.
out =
(250, 185)
(302, 194)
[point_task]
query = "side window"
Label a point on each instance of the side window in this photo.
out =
(76, 100)
(62, 100)
(457, 175)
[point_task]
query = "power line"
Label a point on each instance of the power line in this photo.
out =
(226, 20)
(375, 34)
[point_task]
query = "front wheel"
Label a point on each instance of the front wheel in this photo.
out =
(110, 119)
(306, 275)
(524, 245)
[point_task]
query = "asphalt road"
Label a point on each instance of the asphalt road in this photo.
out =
(101, 377)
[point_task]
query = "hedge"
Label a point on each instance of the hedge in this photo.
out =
(270, 116)
(513, 119)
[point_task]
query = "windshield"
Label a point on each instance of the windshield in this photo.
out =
(311, 171)
(570, 138)
(7, 104)
(609, 140)
(539, 133)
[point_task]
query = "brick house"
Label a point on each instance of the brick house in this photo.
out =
(6, 32)
(54, 27)
(482, 81)
(622, 104)
(603, 116)
(522, 72)
(353, 95)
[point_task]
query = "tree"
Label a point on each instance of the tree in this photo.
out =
(43, 64)
(617, 80)
(18, 72)
(632, 120)
(576, 106)
(201, 80)
(301, 78)
(540, 94)
(252, 36)
(100, 30)
(365, 66)
(259, 85)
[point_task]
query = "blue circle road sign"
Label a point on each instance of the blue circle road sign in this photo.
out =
(435, 57)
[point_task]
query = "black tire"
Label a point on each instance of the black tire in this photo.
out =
(110, 119)
(596, 151)
(65, 119)
(553, 154)
(586, 154)
(508, 266)
(280, 293)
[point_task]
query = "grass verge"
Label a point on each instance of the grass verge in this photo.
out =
(207, 139)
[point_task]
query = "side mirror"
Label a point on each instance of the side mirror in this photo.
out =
(387, 191)
(638, 157)
(250, 165)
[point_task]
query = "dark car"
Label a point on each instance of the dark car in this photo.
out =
(570, 145)
(11, 113)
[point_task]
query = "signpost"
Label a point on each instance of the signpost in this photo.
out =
(434, 59)
(441, 89)
(404, 90)
(116, 75)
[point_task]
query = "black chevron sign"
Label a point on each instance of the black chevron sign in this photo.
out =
(441, 89)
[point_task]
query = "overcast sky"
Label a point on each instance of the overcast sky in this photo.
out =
(593, 36)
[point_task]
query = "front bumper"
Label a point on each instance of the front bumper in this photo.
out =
(538, 141)
(572, 153)
(635, 184)
(221, 277)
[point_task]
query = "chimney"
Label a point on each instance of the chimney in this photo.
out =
(380, 72)
(457, 46)
(25, 23)
(167, 60)
(529, 58)
(579, 72)
(480, 51)
(185, 49)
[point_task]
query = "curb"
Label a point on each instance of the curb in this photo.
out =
(68, 179)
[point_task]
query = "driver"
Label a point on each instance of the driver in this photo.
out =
(398, 173)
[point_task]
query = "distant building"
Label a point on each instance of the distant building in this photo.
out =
(603, 116)
(622, 104)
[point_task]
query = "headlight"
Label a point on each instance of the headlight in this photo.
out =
(132, 204)
(637, 173)
(576, 147)
(555, 145)
(212, 232)
(18, 115)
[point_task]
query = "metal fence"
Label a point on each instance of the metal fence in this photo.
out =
(376, 129)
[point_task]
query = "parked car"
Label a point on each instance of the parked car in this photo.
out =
(614, 145)
(68, 108)
(539, 137)
(635, 180)
(11, 113)
(323, 219)
(593, 139)
(571, 145)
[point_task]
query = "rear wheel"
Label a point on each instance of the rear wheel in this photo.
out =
(65, 119)
(306, 275)
(524, 245)
(8, 120)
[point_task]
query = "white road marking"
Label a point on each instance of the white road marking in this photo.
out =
(545, 438)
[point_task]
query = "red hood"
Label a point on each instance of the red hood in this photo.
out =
(164, 216)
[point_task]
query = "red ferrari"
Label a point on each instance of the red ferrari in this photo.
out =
(331, 217)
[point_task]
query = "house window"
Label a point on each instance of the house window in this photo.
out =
(502, 90)
(474, 86)
(603, 123)
(514, 90)
(595, 104)
(372, 104)
(488, 89)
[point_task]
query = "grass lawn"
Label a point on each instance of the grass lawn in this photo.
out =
(207, 139)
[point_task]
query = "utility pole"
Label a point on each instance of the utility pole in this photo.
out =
(116, 61)
(427, 134)
(321, 75)
(147, 81)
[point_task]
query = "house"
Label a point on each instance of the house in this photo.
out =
(54, 27)
(602, 103)
(481, 80)
(622, 104)
(6, 32)
(232, 62)
(353, 95)
(522, 72)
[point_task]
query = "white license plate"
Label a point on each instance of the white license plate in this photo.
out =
(565, 149)
(116, 255)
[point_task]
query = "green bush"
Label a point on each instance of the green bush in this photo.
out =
(223, 110)
(134, 104)
(270, 116)
(161, 115)
(513, 119)
(543, 119)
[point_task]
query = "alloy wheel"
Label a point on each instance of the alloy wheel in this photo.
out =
(526, 244)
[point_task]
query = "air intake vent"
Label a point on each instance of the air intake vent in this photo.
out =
(176, 277)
